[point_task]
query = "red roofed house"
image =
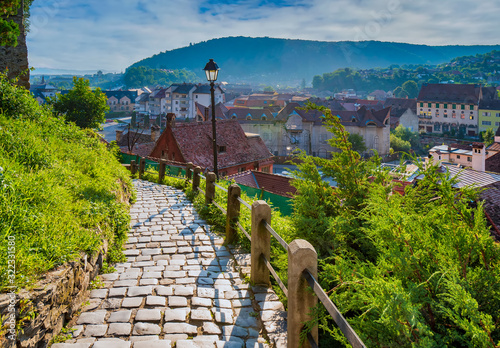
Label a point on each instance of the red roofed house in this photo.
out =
(192, 142)
(277, 184)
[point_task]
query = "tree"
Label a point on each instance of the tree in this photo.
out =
(400, 145)
(411, 88)
(133, 120)
(357, 142)
(412, 270)
(400, 93)
(407, 135)
(488, 137)
(268, 89)
(81, 105)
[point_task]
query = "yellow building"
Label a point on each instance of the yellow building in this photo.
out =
(489, 115)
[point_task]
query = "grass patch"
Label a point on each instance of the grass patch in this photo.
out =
(62, 192)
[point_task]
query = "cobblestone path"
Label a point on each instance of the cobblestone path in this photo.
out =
(178, 288)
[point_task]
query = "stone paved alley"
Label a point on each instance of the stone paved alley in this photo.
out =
(180, 287)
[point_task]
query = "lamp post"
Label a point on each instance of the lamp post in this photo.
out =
(212, 70)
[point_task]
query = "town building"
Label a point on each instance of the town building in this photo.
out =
(181, 98)
(474, 155)
(489, 115)
(294, 128)
(121, 101)
(452, 108)
(192, 142)
(267, 99)
(157, 102)
(43, 91)
(403, 112)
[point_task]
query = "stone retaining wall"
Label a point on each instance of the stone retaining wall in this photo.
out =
(53, 301)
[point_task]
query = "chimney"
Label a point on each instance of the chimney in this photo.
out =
(119, 134)
(154, 132)
(478, 157)
(170, 120)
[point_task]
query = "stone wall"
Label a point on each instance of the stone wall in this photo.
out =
(15, 59)
(53, 300)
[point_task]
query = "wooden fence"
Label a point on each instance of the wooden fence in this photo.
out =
(302, 257)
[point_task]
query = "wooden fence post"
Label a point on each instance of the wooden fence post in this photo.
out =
(142, 167)
(196, 178)
(210, 188)
(301, 300)
(161, 171)
(233, 213)
(133, 167)
(189, 171)
(261, 243)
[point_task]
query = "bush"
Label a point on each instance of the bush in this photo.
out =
(61, 191)
(413, 270)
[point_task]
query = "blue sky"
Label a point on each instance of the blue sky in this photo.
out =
(112, 34)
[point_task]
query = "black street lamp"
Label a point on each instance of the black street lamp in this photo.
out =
(212, 70)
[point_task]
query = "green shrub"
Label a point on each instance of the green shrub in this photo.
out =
(419, 270)
(61, 191)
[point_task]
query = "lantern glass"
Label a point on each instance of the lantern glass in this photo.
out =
(211, 70)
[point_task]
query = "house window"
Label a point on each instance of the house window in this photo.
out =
(445, 106)
(462, 107)
(421, 105)
(264, 118)
(222, 149)
(462, 116)
(437, 114)
(454, 106)
(497, 123)
(469, 159)
(458, 156)
(498, 114)
(196, 96)
(471, 107)
(454, 115)
(429, 105)
(471, 117)
(486, 114)
(486, 123)
(437, 127)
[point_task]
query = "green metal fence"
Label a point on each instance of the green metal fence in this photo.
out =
(284, 204)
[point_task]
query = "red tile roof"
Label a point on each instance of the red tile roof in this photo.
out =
(273, 183)
(195, 144)
(491, 197)
(130, 137)
(450, 93)
(492, 164)
(494, 147)
(142, 150)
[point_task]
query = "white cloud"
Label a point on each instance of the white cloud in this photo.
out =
(111, 35)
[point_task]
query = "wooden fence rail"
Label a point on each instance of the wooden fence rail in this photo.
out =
(302, 258)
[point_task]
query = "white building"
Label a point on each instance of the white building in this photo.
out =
(181, 99)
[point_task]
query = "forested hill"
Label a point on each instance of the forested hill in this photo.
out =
(274, 60)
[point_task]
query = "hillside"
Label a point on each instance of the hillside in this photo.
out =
(270, 60)
(62, 191)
